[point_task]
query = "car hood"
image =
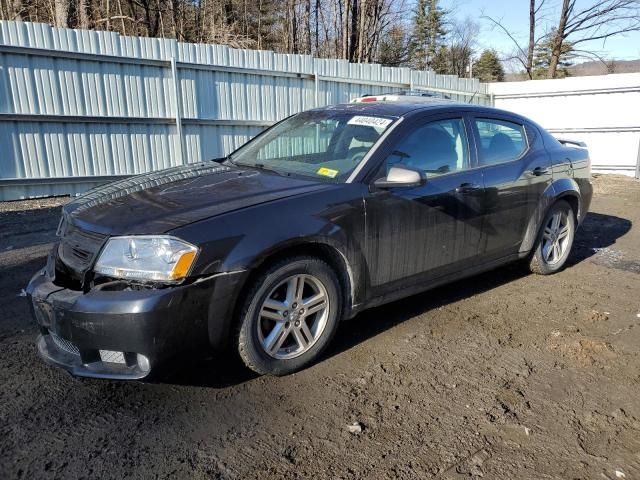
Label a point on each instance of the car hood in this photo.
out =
(161, 201)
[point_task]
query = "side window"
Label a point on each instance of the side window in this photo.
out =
(436, 148)
(500, 141)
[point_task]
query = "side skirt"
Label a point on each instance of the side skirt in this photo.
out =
(437, 282)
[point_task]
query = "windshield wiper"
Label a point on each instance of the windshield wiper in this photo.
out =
(220, 160)
(262, 166)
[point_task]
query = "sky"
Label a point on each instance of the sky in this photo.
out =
(514, 14)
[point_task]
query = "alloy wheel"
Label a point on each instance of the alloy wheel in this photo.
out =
(555, 238)
(293, 316)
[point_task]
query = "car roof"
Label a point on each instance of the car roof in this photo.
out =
(407, 105)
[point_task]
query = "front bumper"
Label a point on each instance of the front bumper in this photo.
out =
(121, 333)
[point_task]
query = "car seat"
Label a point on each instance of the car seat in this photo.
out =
(361, 134)
(501, 148)
(432, 150)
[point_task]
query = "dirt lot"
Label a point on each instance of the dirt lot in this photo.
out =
(506, 375)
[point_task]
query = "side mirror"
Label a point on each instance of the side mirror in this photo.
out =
(401, 176)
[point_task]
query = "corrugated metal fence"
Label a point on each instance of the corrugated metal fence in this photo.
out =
(603, 111)
(79, 107)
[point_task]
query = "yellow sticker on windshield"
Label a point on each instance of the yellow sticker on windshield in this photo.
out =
(327, 172)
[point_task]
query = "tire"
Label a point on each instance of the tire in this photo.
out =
(276, 338)
(554, 240)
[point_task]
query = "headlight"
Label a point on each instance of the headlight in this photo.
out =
(156, 258)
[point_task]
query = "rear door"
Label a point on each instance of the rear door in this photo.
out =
(421, 233)
(516, 170)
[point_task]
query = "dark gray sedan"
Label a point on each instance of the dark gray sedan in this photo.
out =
(323, 215)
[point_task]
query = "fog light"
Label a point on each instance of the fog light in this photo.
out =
(110, 356)
(143, 363)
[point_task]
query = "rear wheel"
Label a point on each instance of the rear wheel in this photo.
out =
(289, 316)
(555, 240)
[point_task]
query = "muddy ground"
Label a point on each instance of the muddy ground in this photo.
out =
(505, 375)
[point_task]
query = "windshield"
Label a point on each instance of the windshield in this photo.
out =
(325, 145)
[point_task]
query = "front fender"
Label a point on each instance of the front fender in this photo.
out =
(341, 238)
(242, 240)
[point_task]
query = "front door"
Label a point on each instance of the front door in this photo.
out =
(420, 233)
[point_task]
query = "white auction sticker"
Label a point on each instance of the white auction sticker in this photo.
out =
(375, 122)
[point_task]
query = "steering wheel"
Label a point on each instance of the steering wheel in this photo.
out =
(359, 155)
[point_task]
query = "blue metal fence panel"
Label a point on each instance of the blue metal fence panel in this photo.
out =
(78, 107)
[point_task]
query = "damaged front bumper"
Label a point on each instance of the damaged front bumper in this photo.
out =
(117, 332)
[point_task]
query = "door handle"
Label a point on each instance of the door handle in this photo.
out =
(538, 171)
(468, 188)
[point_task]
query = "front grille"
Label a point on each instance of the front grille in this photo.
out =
(78, 248)
(65, 345)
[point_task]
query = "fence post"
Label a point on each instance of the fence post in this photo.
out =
(638, 161)
(177, 101)
(316, 82)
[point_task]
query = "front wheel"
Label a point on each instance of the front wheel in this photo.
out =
(555, 240)
(289, 316)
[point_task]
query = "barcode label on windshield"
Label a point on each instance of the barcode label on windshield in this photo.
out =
(375, 122)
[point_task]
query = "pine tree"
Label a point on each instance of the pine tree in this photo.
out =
(436, 30)
(488, 67)
(441, 63)
(542, 58)
(392, 51)
(428, 33)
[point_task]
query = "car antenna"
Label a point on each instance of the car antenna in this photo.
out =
(474, 96)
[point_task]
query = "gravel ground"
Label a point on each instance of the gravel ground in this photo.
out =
(504, 375)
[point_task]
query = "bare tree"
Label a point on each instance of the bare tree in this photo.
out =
(600, 21)
(525, 58)
(82, 14)
(349, 29)
(463, 40)
(344, 16)
(11, 10)
(362, 31)
(17, 10)
(533, 15)
(61, 13)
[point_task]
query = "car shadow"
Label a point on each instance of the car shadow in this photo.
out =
(209, 370)
(597, 231)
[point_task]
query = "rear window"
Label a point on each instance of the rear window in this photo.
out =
(500, 141)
